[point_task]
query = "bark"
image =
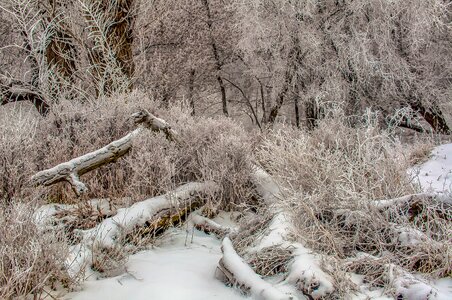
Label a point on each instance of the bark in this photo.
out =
(60, 51)
(72, 170)
(234, 270)
(9, 96)
(151, 216)
(405, 123)
(218, 64)
(433, 115)
(282, 95)
(294, 58)
(296, 108)
(313, 114)
(21, 91)
(115, 44)
(264, 110)
(191, 86)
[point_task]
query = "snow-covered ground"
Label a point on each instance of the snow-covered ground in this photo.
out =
(171, 271)
(183, 265)
(435, 175)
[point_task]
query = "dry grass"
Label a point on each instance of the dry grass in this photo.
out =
(329, 178)
(207, 149)
(30, 260)
(333, 174)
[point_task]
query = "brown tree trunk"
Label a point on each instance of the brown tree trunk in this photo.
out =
(294, 58)
(281, 96)
(7, 96)
(216, 56)
(433, 115)
(191, 87)
(296, 107)
(121, 36)
(60, 52)
(118, 41)
(311, 114)
(26, 91)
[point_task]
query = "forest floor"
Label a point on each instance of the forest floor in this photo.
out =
(183, 264)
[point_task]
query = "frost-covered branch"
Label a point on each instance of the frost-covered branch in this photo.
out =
(237, 272)
(207, 225)
(305, 271)
(151, 214)
(72, 170)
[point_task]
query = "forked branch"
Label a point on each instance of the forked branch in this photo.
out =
(72, 170)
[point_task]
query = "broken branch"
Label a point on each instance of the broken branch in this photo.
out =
(72, 170)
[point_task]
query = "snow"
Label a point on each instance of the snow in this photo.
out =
(275, 234)
(175, 270)
(108, 231)
(306, 272)
(435, 175)
(128, 218)
(259, 288)
(413, 288)
(266, 186)
(171, 271)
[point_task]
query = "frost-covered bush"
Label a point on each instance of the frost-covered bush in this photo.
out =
(30, 259)
(207, 149)
(330, 178)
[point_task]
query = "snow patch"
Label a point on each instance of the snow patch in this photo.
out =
(306, 273)
(435, 175)
(172, 271)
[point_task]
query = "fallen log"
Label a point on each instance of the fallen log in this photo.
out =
(305, 270)
(201, 223)
(232, 269)
(404, 284)
(142, 217)
(70, 217)
(72, 170)
(413, 205)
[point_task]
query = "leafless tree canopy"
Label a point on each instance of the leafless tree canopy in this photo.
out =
(266, 59)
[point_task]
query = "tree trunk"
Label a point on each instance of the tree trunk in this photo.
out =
(281, 96)
(294, 57)
(111, 28)
(9, 97)
(19, 91)
(433, 115)
(296, 107)
(191, 87)
(60, 52)
(216, 56)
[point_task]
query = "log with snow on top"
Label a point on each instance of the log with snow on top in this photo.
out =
(196, 220)
(234, 270)
(72, 170)
(304, 271)
(413, 205)
(145, 217)
(307, 275)
(408, 286)
(409, 201)
(404, 284)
